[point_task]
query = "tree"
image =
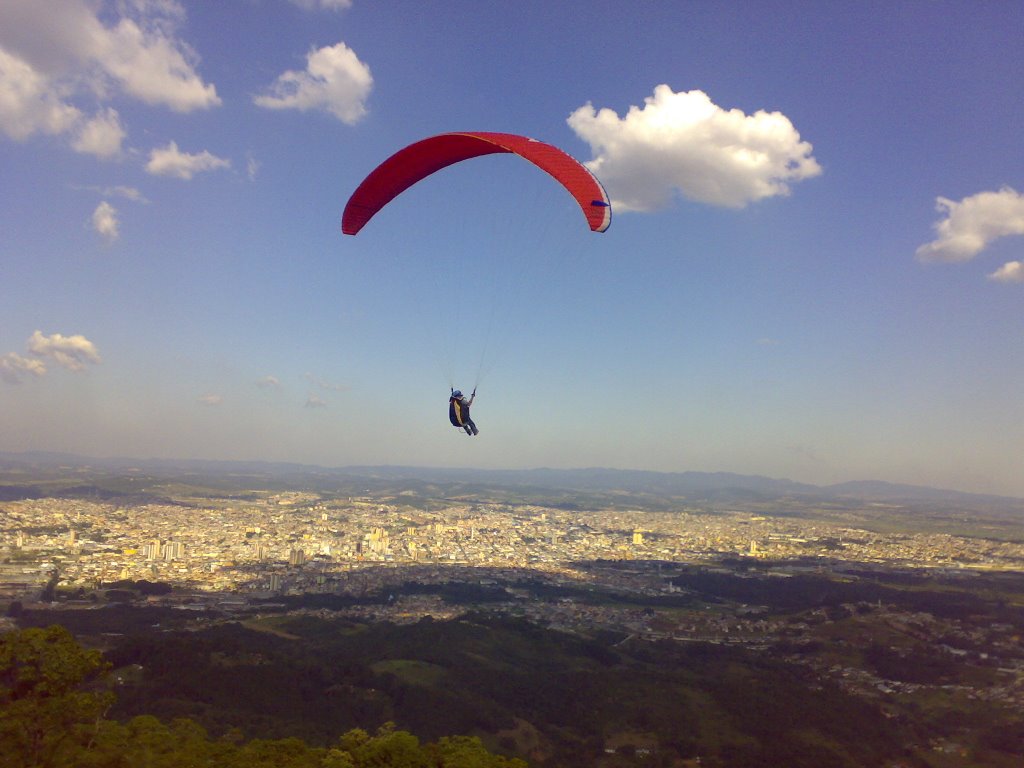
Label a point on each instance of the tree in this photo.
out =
(468, 752)
(43, 712)
(49, 718)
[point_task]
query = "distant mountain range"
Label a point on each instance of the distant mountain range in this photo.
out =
(35, 467)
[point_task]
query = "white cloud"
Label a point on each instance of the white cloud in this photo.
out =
(139, 53)
(128, 193)
(14, 368)
(71, 352)
(1010, 272)
(334, 81)
(152, 65)
(101, 136)
(328, 5)
(974, 222)
(312, 401)
(252, 167)
(210, 400)
(105, 222)
(683, 142)
(170, 161)
(30, 103)
(54, 56)
(268, 382)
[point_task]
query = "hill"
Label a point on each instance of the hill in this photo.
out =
(25, 475)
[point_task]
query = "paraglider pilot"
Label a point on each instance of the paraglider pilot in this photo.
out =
(458, 411)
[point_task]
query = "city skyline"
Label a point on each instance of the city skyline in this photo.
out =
(813, 269)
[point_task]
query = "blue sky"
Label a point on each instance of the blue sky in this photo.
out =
(815, 268)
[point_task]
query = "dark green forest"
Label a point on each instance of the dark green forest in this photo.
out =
(295, 670)
(54, 705)
(554, 698)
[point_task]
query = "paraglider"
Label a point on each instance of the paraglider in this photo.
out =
(458, 411)
(419, 160)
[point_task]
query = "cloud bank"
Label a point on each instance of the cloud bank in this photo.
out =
(334, 81)
(54, 58)
(684, 143)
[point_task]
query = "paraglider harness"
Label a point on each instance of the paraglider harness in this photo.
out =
(458, 412)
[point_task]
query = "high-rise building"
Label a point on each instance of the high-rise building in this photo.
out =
(173, 550)
(296, 557)
(378, 541)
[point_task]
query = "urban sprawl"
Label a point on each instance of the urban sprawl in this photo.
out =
(238, 558)
(295, 543)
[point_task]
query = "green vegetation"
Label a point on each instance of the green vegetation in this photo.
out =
(856, 667)
(555, 698)
(52, 715)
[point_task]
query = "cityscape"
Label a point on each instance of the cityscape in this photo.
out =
(294, 543)
(894, 603)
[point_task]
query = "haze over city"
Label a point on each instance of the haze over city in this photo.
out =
(813, 270)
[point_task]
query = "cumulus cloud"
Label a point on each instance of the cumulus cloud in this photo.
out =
(52, 59)
(30, 103)
(1010, 272)
(334, 81)
(268, 382)
(170, 161)
(151, 64)
(71, 352)
(210, 400)
(100, 136)
(972, 223)
(138, 53)
(684, 143)
(105, 222)
(14, 368)
(312, 401)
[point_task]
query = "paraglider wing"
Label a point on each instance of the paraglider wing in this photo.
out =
(419, 160)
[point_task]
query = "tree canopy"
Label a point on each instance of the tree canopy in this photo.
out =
(53, 704)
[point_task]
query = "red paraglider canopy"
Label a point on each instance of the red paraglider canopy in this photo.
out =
(419, 160)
